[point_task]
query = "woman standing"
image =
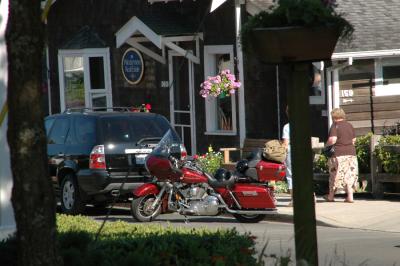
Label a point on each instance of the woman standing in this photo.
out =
(343, 166)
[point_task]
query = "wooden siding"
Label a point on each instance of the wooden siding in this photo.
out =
(366, 112)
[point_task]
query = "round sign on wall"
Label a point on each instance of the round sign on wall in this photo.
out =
(132, 66)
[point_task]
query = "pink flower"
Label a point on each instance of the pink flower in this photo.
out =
(223, 83)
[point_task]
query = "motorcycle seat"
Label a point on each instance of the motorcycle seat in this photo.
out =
(215, 183)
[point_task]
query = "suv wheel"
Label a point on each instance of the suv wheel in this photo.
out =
(71, 202)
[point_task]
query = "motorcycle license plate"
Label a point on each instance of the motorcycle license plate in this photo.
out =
(140, 158)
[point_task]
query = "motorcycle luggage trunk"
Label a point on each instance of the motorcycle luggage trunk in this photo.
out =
(270, 171)
(251, 196)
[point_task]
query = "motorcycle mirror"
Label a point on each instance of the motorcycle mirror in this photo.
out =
(175, 151)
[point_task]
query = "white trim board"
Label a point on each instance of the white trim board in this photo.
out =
(366, 54)
(131, 32)
(210, 105)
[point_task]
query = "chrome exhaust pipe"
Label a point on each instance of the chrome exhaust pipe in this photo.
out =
(266, 211)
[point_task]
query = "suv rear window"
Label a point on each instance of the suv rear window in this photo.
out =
(59, 131)
(85, 129)
(133, 128)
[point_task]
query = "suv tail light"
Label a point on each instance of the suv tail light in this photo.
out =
(97, 158)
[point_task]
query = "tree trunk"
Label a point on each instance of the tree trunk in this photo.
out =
(32, 194)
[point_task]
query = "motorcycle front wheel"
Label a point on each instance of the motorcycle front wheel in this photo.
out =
(249, 218)
(141, 208)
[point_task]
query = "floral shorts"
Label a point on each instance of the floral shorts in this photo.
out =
(343, 172)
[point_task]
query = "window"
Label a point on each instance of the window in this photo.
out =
(317, 90)
(124, 129)
(84, 78)
(59, 131)
(221, 111)
(85, 129)
(48, 123)
(387, 76)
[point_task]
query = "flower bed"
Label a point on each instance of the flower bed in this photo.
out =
(211, 161)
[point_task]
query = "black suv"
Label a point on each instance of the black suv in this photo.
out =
(95, 156)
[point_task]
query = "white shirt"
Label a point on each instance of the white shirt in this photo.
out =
(286, 134)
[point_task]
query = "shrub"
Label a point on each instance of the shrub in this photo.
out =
(121, 243)
(281, 187)
(389, 160)
(363, 150)
(320, 165)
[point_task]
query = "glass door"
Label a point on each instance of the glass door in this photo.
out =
(85, 78)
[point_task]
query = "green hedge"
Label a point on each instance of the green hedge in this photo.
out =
(363, 151)
(389, 160)
(121, 243)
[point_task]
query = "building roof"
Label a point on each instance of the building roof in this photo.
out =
(376, 23)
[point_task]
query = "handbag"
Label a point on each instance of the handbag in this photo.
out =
(329, 151)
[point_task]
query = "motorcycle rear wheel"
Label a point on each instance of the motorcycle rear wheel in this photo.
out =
(141, 211)
(247, 218)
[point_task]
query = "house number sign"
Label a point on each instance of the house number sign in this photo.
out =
(132, 66)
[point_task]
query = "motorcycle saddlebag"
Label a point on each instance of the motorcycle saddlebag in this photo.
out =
(252, 196)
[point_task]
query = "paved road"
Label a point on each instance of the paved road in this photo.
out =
(336, 246)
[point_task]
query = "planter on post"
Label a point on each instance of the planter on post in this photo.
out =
(298, 47)
(294, 44)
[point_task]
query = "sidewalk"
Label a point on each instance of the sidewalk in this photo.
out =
(368, 214)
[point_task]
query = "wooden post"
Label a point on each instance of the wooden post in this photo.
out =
(303, 191)
(377, 188)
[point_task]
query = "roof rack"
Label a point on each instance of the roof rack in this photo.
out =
(94, 109)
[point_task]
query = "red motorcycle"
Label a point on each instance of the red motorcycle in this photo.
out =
(182, 186)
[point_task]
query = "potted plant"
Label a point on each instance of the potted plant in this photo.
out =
(295, 31)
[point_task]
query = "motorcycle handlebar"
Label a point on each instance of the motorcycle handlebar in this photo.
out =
(175, 163)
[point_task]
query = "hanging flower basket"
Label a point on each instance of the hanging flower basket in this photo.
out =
(222, 85)
(294, 44)
(295, 31)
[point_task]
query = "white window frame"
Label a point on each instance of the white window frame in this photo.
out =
(318, 100)
(385, 90)
(210, 106)
(89, 93)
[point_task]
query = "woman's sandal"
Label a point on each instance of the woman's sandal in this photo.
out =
(325, 197)
(349, 201)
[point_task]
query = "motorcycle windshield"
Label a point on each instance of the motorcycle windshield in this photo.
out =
(170, 141)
